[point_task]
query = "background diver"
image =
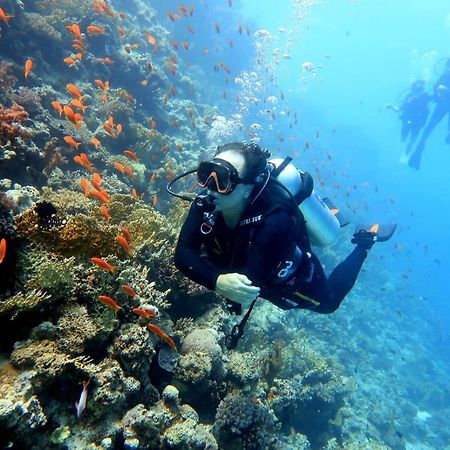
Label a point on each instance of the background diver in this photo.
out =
(245, 235)
(441, 97)
(413, 113)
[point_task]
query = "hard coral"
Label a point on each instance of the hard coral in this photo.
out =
(10, 124)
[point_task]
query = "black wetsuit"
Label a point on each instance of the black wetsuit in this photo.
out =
(262, 247)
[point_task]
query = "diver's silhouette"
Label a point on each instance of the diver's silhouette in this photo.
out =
(441, 96)
(413, 114)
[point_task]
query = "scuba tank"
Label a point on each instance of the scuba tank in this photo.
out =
(322, 224)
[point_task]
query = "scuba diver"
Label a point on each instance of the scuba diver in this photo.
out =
(245, 235)
(441, 96)
(413, 113)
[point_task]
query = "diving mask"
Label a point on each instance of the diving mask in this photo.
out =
(218, 175)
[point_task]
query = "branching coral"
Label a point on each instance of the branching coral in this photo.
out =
(23, 302)
(10, 124)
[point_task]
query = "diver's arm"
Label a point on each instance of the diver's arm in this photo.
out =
(188, 259)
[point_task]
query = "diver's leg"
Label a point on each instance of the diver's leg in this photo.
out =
(438, 113)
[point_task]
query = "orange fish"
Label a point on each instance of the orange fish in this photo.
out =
(144, 82)
(129, 290)
(119, 128)
(5, 17)
(99, 195)
(69, 61)
(134, 194)
(104, 86)
(94, 29)
(96, 184)
(128, 170)
(108, 301)
(57, 106)
(119, 166)
(28, 67)
(131, 155)
(68, 111)
(105, 212)
(109, 129)
(103, 264)
(74, 91)
(155, 200)
(104, 98)
(162, 335)
(85, 186)
(151, 40)
(126, 233)
(185, 44)
(71, 141)
(173, 16)
(123, 243)
(96, 142)
(75, 30)
(75, 102)
(190, 29)
(98, 179)
(146, 313)
(2, 249)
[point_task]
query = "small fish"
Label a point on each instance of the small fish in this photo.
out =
(144, 82)
(96, 142)
(2, 249)
(94, 30)
(69, 61)
(155, 200)
(105, 213)
(217, 27)
(74, 91)
(81, 404)
(119, 128)
(71, 141)
(58, 107)
(111, 303)
(128, 290)
(28, 67)
(126, 233)
(162, 335)
(134, 194)
(146, 313)
(185, 45)
(150, 39)
(123, 243)
(75, 30)
(85, 186)
(103, 264)
(75, 102)
(69, 113)
(173, 16)
(5, 17)
(99, 195)
(131, 155)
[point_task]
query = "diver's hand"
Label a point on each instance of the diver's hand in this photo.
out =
(236, 287)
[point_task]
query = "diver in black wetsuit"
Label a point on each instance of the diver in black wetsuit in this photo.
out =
(441, 96)
(414, 113)
(247, 238)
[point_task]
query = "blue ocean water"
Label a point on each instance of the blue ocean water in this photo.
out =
(311, 80)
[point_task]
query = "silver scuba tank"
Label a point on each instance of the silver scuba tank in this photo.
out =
(322, 225)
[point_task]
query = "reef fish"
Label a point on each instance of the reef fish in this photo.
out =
(5, 17)
(2, 250)
(164, 336)
(103, 264)
(146, 313)
(81, 405)
(111, 303)
(28, 67)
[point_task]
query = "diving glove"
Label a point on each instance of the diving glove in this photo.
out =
(236, 287)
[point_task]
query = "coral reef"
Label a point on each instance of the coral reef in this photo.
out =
(244, 420)
(11, 128)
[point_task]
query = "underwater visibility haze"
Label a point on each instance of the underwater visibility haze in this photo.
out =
(104, 344)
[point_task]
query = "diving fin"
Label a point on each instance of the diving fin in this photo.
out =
(336, 212)
(383, 232)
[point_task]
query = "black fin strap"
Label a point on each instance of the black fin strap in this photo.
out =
(231, 341)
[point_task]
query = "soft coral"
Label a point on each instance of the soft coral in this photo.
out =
(10, 124)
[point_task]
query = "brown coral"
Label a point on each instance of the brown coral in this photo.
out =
(7, 81)
(10, 124)
(78, 235)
